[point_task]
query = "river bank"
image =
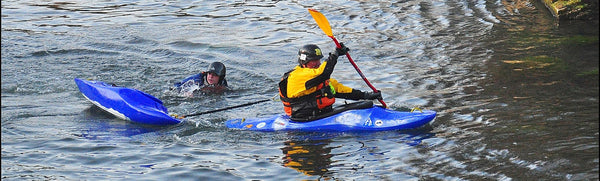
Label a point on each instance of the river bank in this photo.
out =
(573, 9)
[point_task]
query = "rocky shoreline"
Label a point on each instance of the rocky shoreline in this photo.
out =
(573, 9)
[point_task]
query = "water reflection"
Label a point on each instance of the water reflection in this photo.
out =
(311, 157)
(311, 153)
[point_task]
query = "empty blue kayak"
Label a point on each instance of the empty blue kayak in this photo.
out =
(360, 116)
(126, 103)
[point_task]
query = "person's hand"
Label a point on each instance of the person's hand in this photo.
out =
(373, 95)
(342, 50)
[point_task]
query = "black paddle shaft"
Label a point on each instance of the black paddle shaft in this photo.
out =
(227, 108)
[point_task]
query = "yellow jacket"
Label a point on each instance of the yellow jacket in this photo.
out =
(299, 81)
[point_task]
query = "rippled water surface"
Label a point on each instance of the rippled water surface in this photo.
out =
(516, 91)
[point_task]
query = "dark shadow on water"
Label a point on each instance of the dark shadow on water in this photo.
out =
(96, 112)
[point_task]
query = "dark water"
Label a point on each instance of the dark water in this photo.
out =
(516, 90)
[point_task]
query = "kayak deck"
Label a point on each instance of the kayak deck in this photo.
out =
(375, 118)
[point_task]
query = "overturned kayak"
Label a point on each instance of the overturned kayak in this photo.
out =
(126, 103)
(359, 116)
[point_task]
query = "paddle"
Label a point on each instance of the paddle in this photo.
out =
(222, 109)
(324, 25)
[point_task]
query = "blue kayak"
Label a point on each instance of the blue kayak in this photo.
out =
(126, 103)
(359, 116)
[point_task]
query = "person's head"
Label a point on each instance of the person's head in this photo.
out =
(309, 56)
(215, 73)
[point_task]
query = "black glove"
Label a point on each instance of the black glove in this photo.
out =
(342, 50)
(372, 95)
(332, 60)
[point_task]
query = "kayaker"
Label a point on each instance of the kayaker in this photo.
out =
(213, 79)
(308, 90)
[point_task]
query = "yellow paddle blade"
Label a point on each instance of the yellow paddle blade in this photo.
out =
(321, 21)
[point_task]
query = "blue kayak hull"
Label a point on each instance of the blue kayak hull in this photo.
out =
(370, 119)
(126, 103)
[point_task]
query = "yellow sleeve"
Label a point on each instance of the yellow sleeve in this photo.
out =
(339, 88)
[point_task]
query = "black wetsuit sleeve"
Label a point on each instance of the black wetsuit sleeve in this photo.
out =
(354, 95)
(331, 61)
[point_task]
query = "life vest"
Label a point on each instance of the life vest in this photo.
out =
(321, 99)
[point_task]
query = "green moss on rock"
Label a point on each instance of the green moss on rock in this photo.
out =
(573, 9)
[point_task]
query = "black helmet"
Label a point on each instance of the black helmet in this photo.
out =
(309, 52)
(219, 69)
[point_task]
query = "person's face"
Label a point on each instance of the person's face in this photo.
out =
(313, 64)
(212, 78)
